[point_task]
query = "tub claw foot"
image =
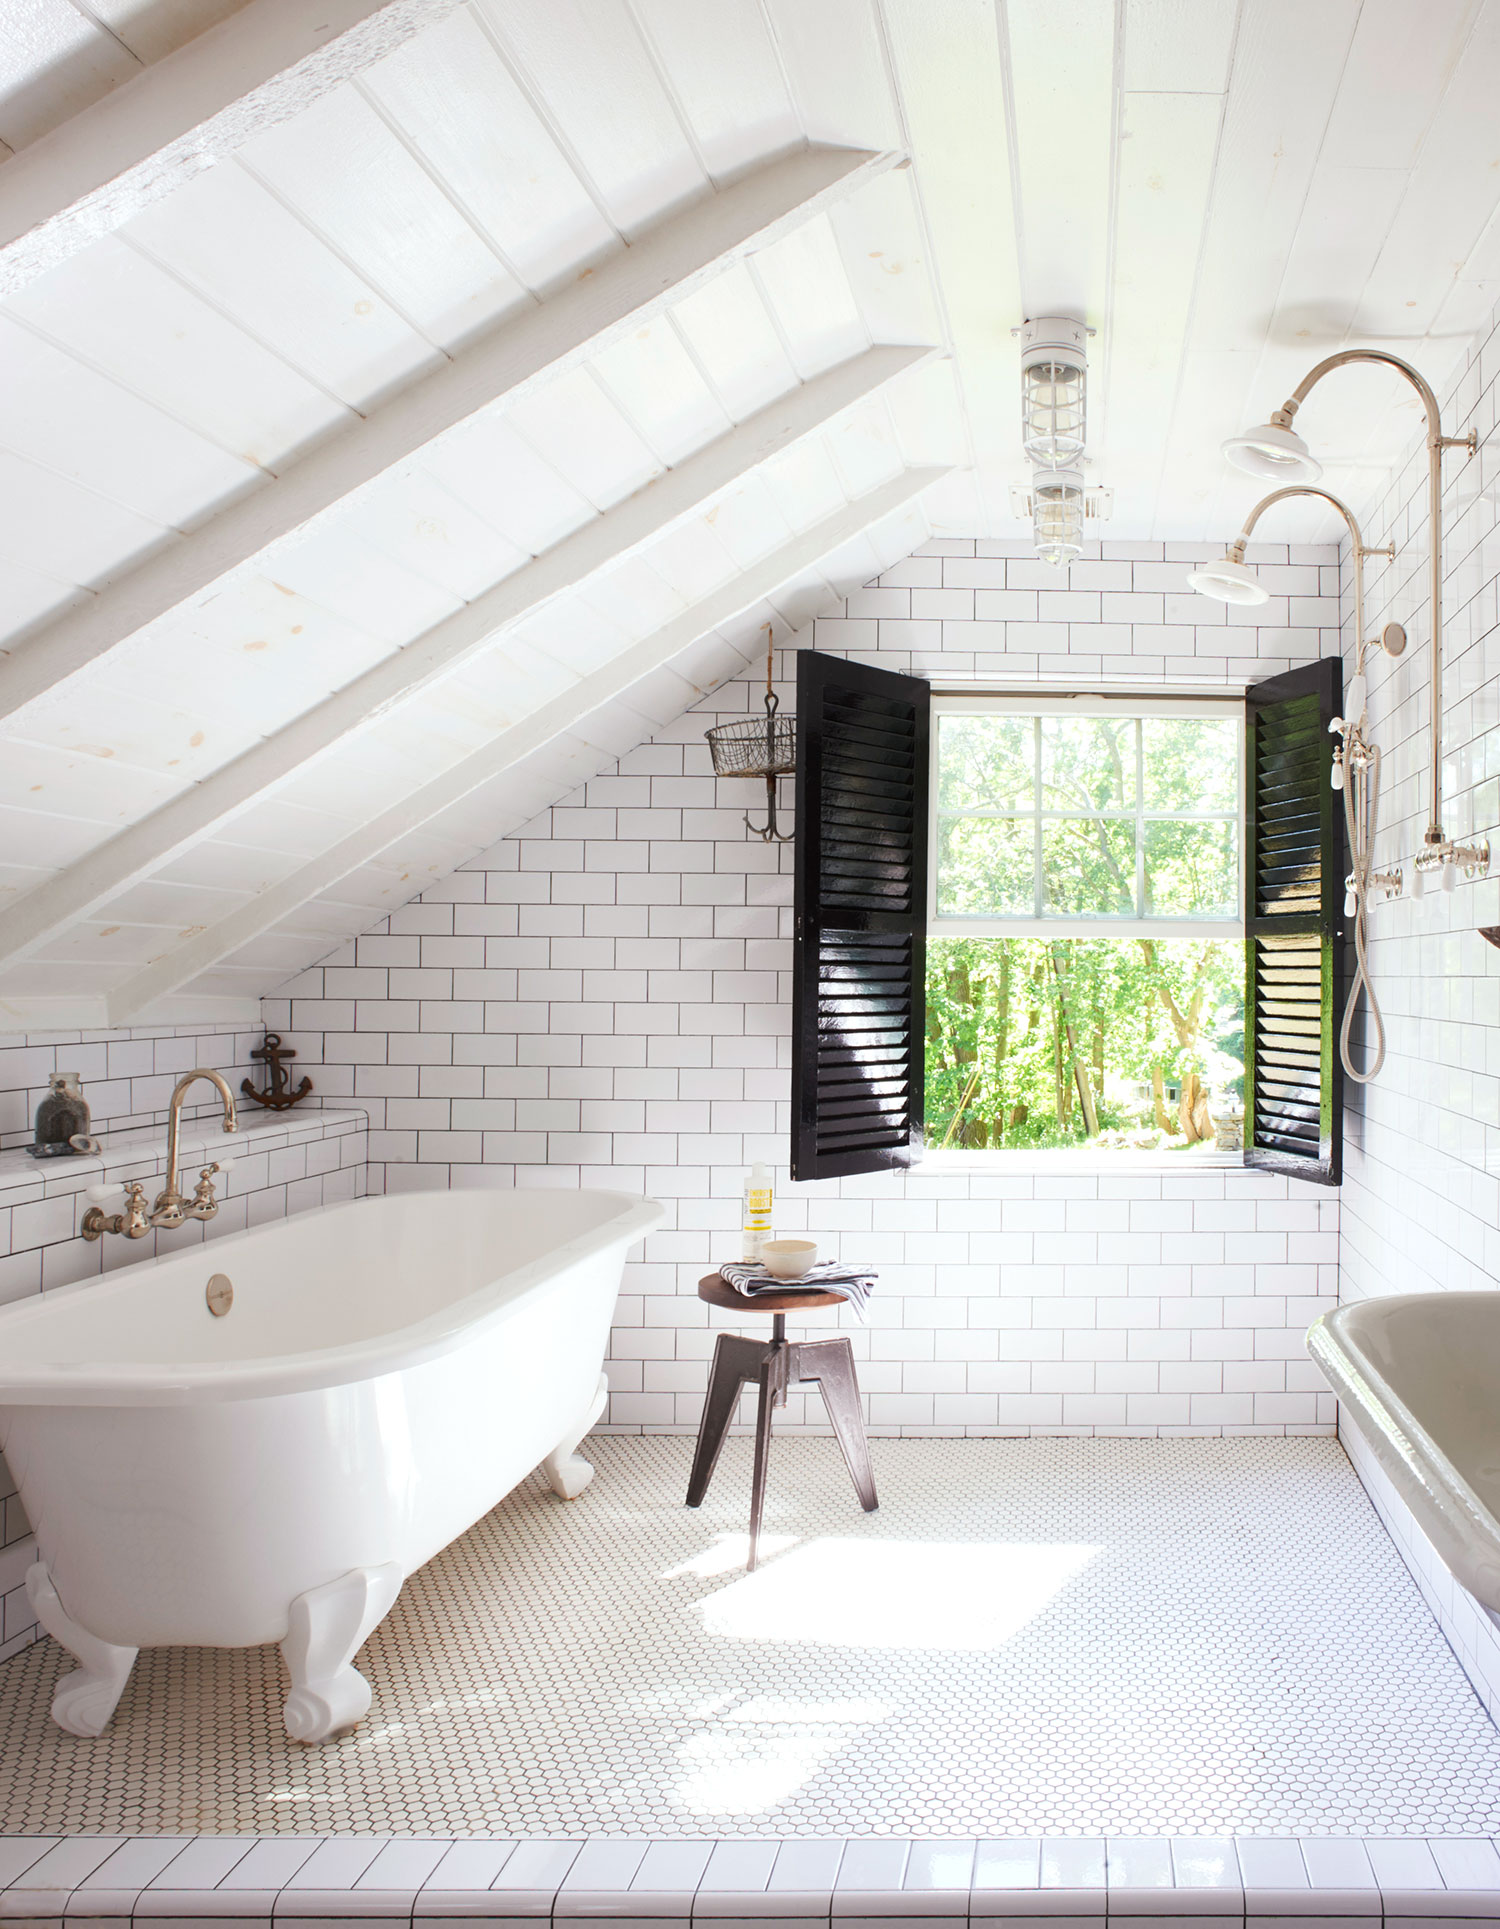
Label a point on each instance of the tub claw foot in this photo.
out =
(85, 1699)
(568, 1473)
(327, 1627)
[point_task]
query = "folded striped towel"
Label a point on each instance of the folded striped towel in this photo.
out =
(853, 1283)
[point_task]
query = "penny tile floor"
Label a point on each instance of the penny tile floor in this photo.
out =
(1052, 1635)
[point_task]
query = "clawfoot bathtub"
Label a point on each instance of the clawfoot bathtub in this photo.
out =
(384, 1374)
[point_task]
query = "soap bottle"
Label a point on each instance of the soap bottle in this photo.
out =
(756, 1214)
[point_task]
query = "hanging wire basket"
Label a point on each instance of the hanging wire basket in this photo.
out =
(758, 747)
(755, 747)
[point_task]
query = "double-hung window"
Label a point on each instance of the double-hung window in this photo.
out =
(1064, 920)
(1085, 964)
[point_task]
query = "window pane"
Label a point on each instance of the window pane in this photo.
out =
(1088, 763)
(1088, 867)
(1191, 763)
(986, 763)
(986, 867)
(1127, 1043)
(1192, 870)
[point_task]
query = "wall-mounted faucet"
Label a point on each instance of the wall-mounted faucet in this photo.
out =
(170, 1209)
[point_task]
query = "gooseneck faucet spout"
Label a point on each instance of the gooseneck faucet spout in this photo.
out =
(169, 1209)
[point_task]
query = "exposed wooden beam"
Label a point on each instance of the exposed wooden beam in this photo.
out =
(146, 846)
(206, 948)
(663, 266)
(262, 65)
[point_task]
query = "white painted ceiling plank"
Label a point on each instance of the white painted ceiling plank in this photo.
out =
(54, 62)
(1063, 110)
(184, 113)
(831, 54)
(237, 246)
(1166, 172)
(179, 966)
(951, 91)
(547, 341)
(154, 840)
(381, 210)
(82, 425)
(722, 71)
(1274, 122)
(152, 29)
(1400, 63)
(454, 101)
(589, 72)
(121, 314)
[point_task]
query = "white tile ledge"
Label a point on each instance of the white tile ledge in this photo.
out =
(1416, 1882)
(143, 1149)
(1083, 1163)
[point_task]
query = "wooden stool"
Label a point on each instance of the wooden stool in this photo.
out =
(775, 1365)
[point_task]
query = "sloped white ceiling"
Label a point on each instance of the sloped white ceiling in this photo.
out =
(1224, 189)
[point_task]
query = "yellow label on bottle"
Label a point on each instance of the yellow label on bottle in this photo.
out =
(758, 1201)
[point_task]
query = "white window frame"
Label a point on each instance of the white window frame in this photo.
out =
(1083, 704)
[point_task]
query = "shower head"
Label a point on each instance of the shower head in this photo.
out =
(1228, 581)
(1274, 453)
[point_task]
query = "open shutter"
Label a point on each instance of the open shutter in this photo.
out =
(1294, 845)
(859, 993)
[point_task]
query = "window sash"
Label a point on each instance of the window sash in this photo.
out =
(1038, 922)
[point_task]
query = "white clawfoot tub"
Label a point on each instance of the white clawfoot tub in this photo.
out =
(386, 1373)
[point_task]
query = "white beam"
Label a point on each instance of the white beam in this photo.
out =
(146, 846)
(262, 65)
(663, 266)
(562, 714)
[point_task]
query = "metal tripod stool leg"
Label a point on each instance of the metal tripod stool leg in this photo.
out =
(774, 1366)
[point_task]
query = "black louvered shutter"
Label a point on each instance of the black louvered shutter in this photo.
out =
(1294, 845)
(859, 990)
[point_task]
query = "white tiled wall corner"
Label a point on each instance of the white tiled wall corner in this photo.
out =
(283, 1163)
(1422, 1143)
(604, 998)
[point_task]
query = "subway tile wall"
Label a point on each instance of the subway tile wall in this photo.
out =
(285, 1165)
(1422, 1142)
(604, 998)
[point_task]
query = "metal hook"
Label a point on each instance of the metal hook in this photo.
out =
(768, 832)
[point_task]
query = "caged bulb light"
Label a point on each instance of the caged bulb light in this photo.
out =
(1057, 515)
(1053, 384)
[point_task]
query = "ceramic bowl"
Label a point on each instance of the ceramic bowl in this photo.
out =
(788, 1258)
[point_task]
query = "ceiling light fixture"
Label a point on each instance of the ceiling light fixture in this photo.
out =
(1054, 361)
(1057, 502)
(1054, 420)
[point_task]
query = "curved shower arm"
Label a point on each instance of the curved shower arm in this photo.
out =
(1237, 548)
(1436, 443)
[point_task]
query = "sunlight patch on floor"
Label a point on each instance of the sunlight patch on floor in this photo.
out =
(959, 1596)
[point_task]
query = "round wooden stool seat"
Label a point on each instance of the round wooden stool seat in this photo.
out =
(717, 1290)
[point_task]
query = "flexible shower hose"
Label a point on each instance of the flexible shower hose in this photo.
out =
(1359, 817)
